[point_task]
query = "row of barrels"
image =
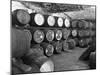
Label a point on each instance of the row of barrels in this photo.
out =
(45, 35)
(49, 35)
(83, 33)
(56, 47)
(83, 24)
(22, 17)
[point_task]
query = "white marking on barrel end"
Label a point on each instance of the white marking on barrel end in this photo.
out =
(60, 22)
(39, 19)
(67, 22)
(51, 21)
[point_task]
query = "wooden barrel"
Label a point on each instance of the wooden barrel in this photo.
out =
(81, 33)
(66, 33)
(51, 20)
(29, 33)
(20, 42)
(67, 22)
(58, 34)
(82, 24)
(57, 46)
(60, 22)
(74, 33)
(74, 23)
(83, 43)
(39, 48)
(71, 43)
(48, 49)
(37, 19)
(20, 17)
(86, 33)
(34, 57)
(38, 36)
(49, 35)
(65, 45)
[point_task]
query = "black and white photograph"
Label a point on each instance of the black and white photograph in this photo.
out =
(49, 37)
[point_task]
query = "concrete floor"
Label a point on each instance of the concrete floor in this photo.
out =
(69, 60)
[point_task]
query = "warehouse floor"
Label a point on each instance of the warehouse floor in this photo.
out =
(69, 60)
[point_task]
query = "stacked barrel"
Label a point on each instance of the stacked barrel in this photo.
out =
(85, 32)
(54, 34)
